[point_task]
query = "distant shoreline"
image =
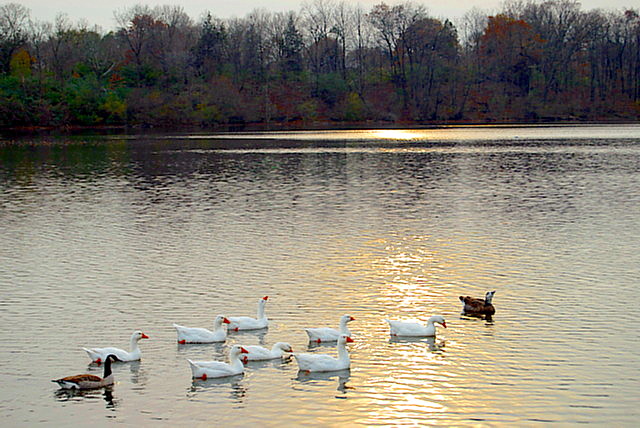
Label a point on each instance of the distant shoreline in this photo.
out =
(309, 126)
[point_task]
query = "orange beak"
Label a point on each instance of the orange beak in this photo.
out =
(352, 319)
(444, 324)
(349, 340)
(226, 321)
(243, 351)
(265, 298)
(144, 336)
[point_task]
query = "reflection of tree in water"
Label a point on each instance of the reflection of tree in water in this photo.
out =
(74, 158)
(78, 395)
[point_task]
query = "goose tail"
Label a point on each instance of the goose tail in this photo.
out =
(92, 354)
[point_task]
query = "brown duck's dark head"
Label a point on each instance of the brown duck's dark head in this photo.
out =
(489, 297)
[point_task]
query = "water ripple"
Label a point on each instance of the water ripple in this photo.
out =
(149, 233)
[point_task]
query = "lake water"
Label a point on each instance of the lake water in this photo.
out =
(101, 236)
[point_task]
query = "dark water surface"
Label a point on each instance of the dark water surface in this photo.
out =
(103, 236)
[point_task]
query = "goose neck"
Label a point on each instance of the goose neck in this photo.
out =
(343, 354)
(435, 319)
(276, 350)
(134, 344)
(107, 368)
(261, 314)
(235, 362)
(344, 328)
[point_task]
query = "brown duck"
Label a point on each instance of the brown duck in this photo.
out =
(478, 307)
(89, 381)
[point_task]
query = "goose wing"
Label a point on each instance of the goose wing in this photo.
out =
(213, 365)
(404, 328)
(80, 378)
(256, 352)
(473, 304)
(316, 362)
(246, 323)
(103, 353)
(323, 333)
(196, 334)
(472, 301)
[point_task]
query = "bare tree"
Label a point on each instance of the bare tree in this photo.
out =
(359, 30)
(137, 27)
(14, 24)
(174, 39)
(392, 24)
(39, 33)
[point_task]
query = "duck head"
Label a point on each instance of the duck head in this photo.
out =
(284, 346)
(345, 339)
(236, 350)
(220, 319)
(489, 297)
(137, 335)
(439, 319)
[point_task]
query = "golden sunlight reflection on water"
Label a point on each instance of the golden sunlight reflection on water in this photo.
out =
(395, 134)
(443, 133)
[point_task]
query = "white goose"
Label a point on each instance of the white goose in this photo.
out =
(324, 362)
(211, 369)
(89, 381)
(248, 323)
(326, 334)
(258, 353)
(202, 335)
(98, 355)
(403, 328)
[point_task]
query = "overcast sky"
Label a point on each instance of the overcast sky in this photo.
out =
(101, 12)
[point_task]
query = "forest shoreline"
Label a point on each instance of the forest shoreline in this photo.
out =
(327, 65)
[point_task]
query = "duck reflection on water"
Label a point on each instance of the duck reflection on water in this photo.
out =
(77, 395)
(138, 373)
(433, 344)
(241, 336)
(315, 345)
(220, 349)
(314, 378)
(231, 384)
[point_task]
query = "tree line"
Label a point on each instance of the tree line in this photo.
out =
(329, 61)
